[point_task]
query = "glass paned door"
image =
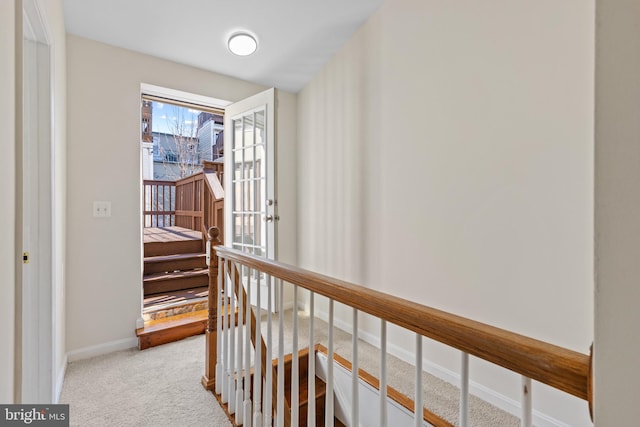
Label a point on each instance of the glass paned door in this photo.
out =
(249, 154)
(249, 182)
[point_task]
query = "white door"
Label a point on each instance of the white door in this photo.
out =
(38, 378)
(251, 203)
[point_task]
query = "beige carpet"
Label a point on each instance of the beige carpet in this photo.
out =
(161, 386)
(130, 388)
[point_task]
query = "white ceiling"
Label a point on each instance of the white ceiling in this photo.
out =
(295, 37)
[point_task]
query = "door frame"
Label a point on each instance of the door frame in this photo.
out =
(175, 95)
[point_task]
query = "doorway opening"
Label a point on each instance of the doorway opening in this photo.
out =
(182, 155)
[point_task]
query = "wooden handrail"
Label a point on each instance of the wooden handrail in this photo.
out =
(215, 186)
(558, 367)
(158, 182)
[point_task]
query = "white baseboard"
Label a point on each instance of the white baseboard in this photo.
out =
(485, 393)
(62, 370)
(100, 349)
(288, 305)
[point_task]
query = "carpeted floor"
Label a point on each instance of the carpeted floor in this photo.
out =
(161, 386)
(130, 388)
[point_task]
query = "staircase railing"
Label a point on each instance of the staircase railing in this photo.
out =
(558, 367)
(231, 381)
(213, 199)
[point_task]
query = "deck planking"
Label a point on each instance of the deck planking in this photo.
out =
(170, 234)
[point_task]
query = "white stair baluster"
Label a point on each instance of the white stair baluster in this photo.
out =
(418, 413)
(225, 336)
(239, 349)
(257, 376)
(355, 379)
(311, 406)
(280, 408)
(268, 400)
(527, 404)
(219, 327)
(295, 373)
(246, 381)
(232, 342)
(329, 413)
(383, 373)
(464, 390)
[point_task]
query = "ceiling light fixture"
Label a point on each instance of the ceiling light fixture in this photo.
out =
(242, 44)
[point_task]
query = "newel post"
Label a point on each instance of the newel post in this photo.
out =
(209, 377)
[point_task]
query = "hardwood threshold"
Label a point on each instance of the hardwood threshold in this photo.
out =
(173, 328)
(170, 329)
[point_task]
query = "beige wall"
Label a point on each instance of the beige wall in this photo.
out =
(286, 176)
(617, 218)
(445, 156)
(104, 255)
(7, 194)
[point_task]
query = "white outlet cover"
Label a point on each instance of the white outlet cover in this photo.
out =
(101, 209)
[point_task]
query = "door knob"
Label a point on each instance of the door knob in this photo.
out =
(271, 218)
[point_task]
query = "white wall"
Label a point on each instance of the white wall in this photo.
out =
(104, 255)
(445, 156)
(617, 213)
(286, 176)
(7, 194)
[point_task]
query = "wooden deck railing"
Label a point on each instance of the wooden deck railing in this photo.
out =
(195, 202)
(213, 203)
(558, 367)
(159, 203)
(189, 202)
(199, 200)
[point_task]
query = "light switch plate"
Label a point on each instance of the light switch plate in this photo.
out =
(101, 209)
